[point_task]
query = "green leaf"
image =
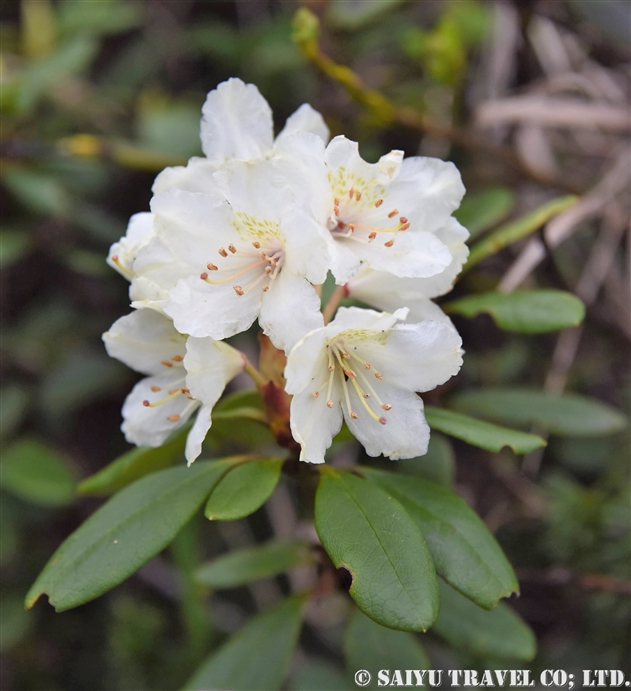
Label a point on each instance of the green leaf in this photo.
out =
(479, 433)
(373, 647)
(135, 464)
(480, 211)
(499, 634)
(97, 18)
(244, 398)
(437, 465)
(353, 14)
(125, 533)
(320, 676)
(15, 622)
(38, 474)
(517, 230)
(253, 563)
(526, 311)
(14, 244)
(39, 192)
(14, 403)
(257, 656)
(369, 533)
(465, 553)
(243, 490)
(570, 414)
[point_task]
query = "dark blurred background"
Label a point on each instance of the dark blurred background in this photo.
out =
(98, 97)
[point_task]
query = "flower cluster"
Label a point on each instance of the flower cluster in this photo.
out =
(250, 232)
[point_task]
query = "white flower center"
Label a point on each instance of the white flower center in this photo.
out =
(261, 266)
(352, 371)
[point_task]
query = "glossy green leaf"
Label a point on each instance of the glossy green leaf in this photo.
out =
(499, 634)
(135, 464)
(437, 465)
(465, 553)
(479, 433)
(369, 533)
(243, 490)
(253, 563)
(257, 656)
(121, 536)
(526, 311)
(373, 647)
(570, 414)
(38, 474)
(480, 211)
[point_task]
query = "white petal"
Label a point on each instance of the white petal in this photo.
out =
(305, 119)
(418, 357)
(313, 423)
(405, 433)
(307, 246)
(236, 123)
(150, 426)
(201, 310)
(307, 363)
(289, 310)
(210, 365)
(390, 163)
(144, 340)
(196, 176)
(198, 433)
(139, 233)
(362, 320)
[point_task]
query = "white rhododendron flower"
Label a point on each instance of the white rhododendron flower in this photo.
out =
(123, 253)
(162, 402)
(230, 258)
(386, 214)
(236, 125)
(365, 367)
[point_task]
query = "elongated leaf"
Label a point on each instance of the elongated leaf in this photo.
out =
(369, 533)
(135, 464)
(437, 465)
(321, 676)
(479, 433)
(243, 490)
(257, 656)
(480, 211)
(244, 398)
(372, 647)
(527, 311)
(125, 533)
(38, 474)
(465, 554)
(568, 415)
(253, 563)
(500, 633)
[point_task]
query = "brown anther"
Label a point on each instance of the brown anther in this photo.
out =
(211, 267)
(172, 391)
(177, 358)
(386, 406)
(393, 213)
(331, 368)
(403, 219)
(354, 415)
(405, 226)
(372, 235)
(336, 201)
(223, 252)
(268, 269)
(146, 404)
(382, 420)
(329, 403)
(336, 210)
(351, 227)
(349, 373)
(256, 245)
(379, 202)
(185, 389)
(367, 365)
(173, 418)
(265, 289)
(389, 243)
(315, 394)
(366, 395)
(203, 276)
(378, 375)
(155, 388)
(238, 290)
(351, 192)
(346, 356)
(358, 195)
(166, 363)
(232, 248)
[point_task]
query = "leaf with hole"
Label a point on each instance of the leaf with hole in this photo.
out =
(465, 553)
(368, 532)
(257, 656)
(480, 433)
(243, 490)
(133, 526)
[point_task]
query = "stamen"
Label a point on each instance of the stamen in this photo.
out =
(155, 388)
(330, 403)
(166, 363)
(372, 235)
(393, 213)
(174, 393)
(257, 245)
(177, 358)
(379, 202)
(364, 403)
(315, 394)
(203, 275)
(245, 270)
(211, 267)
(336, 210)
(378, 375)
(386, 406)
(403, 219)
(119, 264)
(238, 290)
(389, 243)
(173, 418)
(351, 192)
(222, 252)
(336, 201)
(232, 248)
(354, 415)
(405, 226)
(358, 195)
(265, 289)
(347, 397)
(382, 420)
